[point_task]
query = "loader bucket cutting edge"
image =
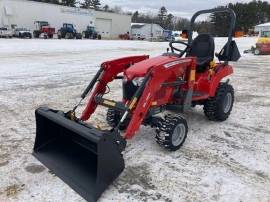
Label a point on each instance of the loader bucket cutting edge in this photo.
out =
(87, 159)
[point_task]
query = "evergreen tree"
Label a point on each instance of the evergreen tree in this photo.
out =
(117, 9)
(49, 1)
(248, 15)
(106, 8)
(87, 4)
(181, 24)
(135, 17)
(96, 4)
(162, 16)
(71, 3)
(169, 24)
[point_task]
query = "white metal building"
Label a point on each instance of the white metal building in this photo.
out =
(23, 13)
(146, 31)
(262, 27)
(110, 25)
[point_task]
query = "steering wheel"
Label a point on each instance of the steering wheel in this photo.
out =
(182, 52)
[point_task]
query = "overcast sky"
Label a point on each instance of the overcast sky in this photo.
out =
(181, 8)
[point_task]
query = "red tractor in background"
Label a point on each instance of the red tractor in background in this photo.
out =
(125, 36)
(156, 91)
(44, 29)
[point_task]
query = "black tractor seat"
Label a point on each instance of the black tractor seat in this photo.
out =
(202, 47)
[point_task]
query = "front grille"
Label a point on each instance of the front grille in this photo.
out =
(129, 89)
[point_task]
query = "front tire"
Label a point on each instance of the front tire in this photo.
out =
(113, 117)
(219, 108)
(171, 132)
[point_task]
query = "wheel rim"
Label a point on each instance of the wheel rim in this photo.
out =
(227, 103)
(257, 52)
(178, 134)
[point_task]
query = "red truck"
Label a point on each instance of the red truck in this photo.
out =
(44, 29)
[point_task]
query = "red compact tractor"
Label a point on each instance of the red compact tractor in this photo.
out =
(44, 29)
(89, 159)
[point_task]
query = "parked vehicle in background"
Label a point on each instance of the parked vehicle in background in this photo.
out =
(22, 33)
(6, 32)
(138, 37)
(168, 35)
(91, 33)
(43, 29)
(125, 36)
(262, 46)
(68, 32)
(182, 35)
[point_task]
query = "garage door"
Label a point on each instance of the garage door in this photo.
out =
(104, 27)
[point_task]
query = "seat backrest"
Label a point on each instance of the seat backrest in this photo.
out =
(203, 47)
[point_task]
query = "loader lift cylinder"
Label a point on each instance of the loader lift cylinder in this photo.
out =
(92, 83)
(134, 99)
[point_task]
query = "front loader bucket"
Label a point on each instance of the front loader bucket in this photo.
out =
(85, 158)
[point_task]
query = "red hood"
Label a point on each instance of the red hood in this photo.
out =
(140, 69)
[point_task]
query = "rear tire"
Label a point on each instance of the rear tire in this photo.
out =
(36, 34)
(78, 36)
(84, 35)
(171, 132)
(113, 117)
(59, 34)
(219, 108)
(68, 36)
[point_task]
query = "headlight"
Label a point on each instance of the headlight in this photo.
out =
(138, 81)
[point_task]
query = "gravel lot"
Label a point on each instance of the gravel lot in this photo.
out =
(227, 161)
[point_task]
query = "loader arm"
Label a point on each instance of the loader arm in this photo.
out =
(110, 70)
(158, 76)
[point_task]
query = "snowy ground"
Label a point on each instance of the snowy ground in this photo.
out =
(227, 161)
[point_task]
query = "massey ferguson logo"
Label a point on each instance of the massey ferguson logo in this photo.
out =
(176, 63)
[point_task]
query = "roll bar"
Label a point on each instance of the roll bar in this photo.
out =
(215, 10)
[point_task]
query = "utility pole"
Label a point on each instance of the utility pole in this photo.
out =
(151, 35)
